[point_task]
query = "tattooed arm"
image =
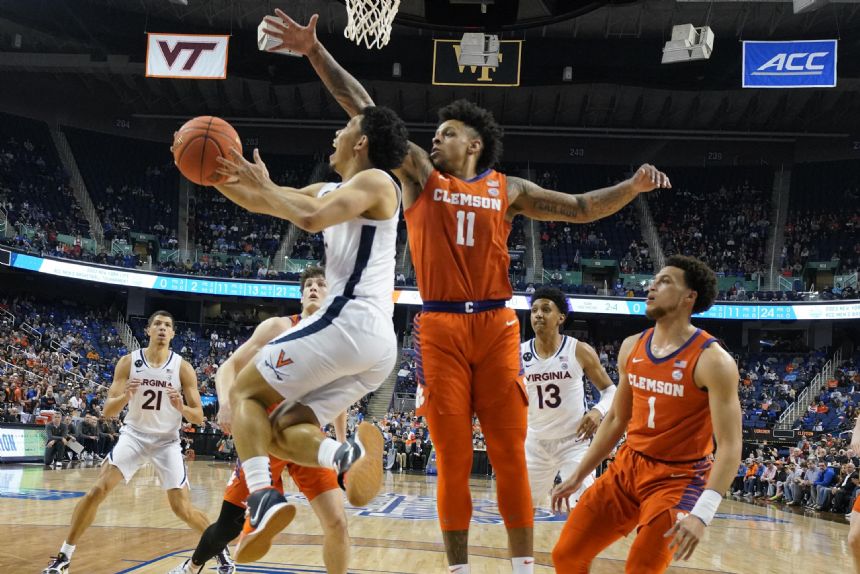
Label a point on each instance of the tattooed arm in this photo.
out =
(348, 91)
(529, 199)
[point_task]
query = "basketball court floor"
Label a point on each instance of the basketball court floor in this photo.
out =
(135, 531)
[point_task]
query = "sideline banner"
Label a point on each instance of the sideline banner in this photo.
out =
(190, 56)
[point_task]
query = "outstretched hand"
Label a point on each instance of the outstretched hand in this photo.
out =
(648, 178)
(240, 171)
(292, 35)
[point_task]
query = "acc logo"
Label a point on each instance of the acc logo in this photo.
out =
(527, 356)
(796, 64)
(138, 363)
(677, 375)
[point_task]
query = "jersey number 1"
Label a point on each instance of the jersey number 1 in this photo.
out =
(152, 397)
(651, 412)
(466, 228)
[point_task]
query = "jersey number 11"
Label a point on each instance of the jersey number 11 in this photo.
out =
(466, 228)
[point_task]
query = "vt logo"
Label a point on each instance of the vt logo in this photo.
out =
(196, 48)
(283, 361)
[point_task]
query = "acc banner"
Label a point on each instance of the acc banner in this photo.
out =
(802, 64)
(192, 56)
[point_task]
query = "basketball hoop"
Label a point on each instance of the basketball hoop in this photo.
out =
(369, 21)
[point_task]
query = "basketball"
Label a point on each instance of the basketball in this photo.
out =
(199, 143)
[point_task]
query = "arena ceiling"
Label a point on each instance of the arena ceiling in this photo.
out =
(614, 49)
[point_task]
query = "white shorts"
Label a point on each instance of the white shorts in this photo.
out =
(331, 359)
(545, 458)
(134, 449)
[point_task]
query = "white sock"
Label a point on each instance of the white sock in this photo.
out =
(67, 549)
(325, 456)
(459, 569)
(257, 473)
(523, 565)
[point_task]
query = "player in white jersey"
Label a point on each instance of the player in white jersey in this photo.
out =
(560, 423)
(152, 382)
(344, 350)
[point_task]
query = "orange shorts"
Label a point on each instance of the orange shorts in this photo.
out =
(856, 507)
(635, 491)
(653, 486)
(467, 362)
(311, 481)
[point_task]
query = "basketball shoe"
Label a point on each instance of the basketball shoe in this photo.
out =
(60, 565)
(267, 514)
(225, 562)
(358, 463)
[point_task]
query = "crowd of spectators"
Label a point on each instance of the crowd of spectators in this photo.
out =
(823, 219)
(820, 476)
(720, 215)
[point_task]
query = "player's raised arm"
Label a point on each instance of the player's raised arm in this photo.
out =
(348, 91)
(529, 199)
(365, 192)
(608, 434)
(121, 389)
(717, 372)
(192, 410)
(342, 85)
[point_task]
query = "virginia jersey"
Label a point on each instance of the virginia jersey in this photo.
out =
(360, 256)
(556, 390)
(458, 236)
(149, 410)
(671, 418)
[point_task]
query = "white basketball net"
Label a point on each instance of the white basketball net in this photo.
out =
(369, 21)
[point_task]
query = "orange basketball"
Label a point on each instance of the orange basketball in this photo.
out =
(199, 143)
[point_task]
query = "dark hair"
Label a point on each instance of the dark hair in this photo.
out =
(387, 137)
(552, 294)
(162, 313)
(309, 273)
(698, 277)
(483, 122)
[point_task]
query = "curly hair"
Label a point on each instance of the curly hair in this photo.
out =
(698, 277)
(309, 273)
(387, 136)
(552, 294)
(483, 122)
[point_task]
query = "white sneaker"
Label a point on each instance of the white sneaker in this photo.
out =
(59, 565)
(186, 568)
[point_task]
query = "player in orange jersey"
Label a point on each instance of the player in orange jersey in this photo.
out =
(854, 532)
(458, 212)
(677, 391)
(319, 485)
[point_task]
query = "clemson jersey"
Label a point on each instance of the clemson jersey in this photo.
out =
(671, 418)
(458, 236)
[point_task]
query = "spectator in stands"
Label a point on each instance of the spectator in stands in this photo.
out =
(754, 471)
(108, 434)
(792, 482)
(738, 483)
(844, 489)
(824, 480)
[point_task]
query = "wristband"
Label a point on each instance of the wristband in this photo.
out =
(706, 507)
